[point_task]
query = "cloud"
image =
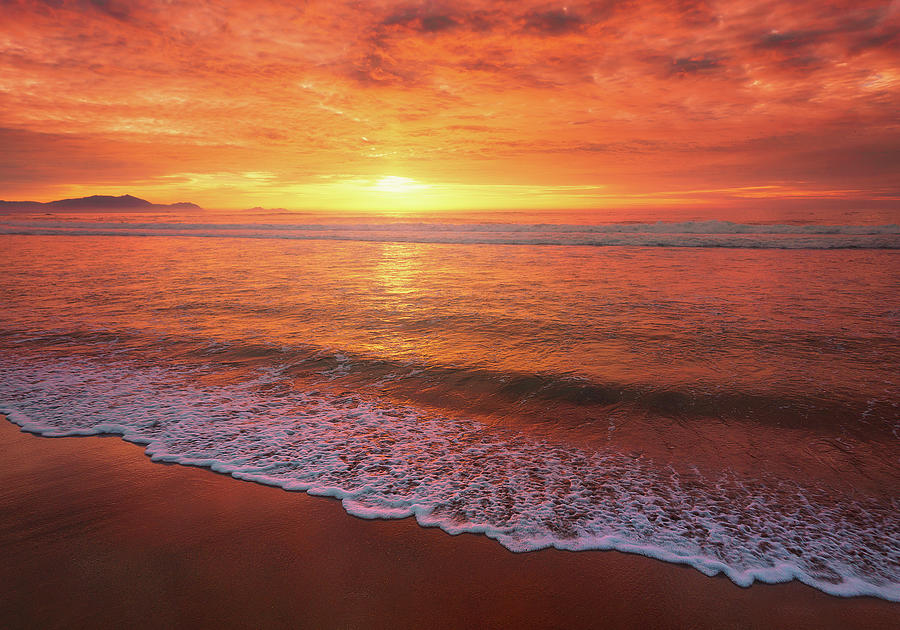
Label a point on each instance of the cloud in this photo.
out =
(695, 64)
(640, 93)
(554, 22)
(418, 18)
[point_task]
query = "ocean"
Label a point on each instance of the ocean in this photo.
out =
(702, 390)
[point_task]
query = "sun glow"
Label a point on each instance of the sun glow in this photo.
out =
(398, 185)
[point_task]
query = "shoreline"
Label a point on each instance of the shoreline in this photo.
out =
(96, 534)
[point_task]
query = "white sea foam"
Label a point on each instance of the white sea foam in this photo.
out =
(660, 234)
(658, 227)
(391, 462)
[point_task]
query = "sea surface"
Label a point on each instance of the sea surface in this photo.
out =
(706, 390)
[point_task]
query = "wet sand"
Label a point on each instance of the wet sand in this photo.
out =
(93, 534)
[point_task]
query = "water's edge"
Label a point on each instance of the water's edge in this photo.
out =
(851, 587)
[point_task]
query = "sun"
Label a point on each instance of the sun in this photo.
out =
(398, 185)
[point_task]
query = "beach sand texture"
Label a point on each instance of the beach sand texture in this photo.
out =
(95, 535)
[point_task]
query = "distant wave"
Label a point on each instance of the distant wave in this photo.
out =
(660, 234)
(659, 227)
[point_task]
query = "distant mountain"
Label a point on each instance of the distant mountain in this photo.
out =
(94, 202)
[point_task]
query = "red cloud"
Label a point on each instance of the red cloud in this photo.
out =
(636, 95)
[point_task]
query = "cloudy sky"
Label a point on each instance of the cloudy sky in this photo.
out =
(368, 104)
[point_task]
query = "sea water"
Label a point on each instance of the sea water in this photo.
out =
(711, 392)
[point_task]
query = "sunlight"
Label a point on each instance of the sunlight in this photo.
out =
(394, 184)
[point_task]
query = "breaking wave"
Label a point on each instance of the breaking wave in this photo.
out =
(659, 234)
(385, 460)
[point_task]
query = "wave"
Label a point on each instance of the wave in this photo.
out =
(660, 234)
(387, 460)
(490, 390)
(658, 227)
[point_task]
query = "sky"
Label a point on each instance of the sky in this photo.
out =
(372, 105)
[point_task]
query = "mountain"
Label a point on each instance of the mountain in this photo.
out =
(94, 202)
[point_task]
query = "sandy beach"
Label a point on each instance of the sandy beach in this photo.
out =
(96, 535)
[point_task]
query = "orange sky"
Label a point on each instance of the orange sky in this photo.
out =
(426, 105)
